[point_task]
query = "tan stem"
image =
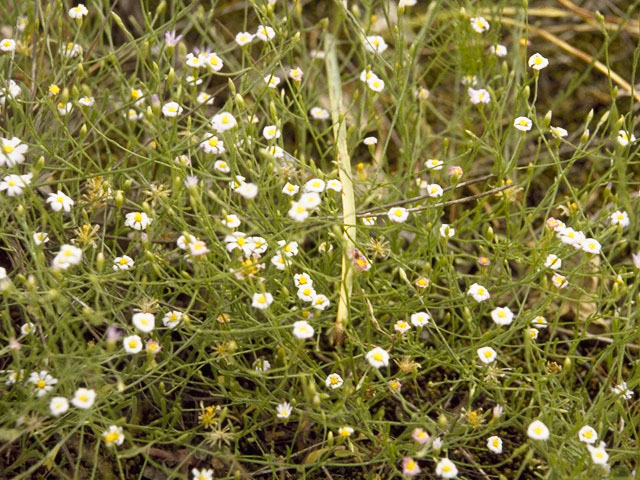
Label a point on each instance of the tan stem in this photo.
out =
(344, 170)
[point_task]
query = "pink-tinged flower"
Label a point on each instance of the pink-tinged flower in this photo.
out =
(360, 262)
(153, 347)
(410, 467)
(420, 436)
(455, 172)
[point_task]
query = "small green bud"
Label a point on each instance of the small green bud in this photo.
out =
(589, 117)
(171, 76)
(182, 49)
(232, 87)
(100, 262)
(403, 275)
(240, 101)
(490, 235)
(604, 118)
(443, 421)
(547, 119)
(585, 136)
(119, 198)
(120, 24)
(39, 165)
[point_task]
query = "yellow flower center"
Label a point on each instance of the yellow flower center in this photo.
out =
(446, 468)
(41, 384)
(123, 261)
(83, 398)
(138, 217)
(588, 434)
(133, 343)
(377, 357)
(7, 148)
(501, 314)
(262, 299)
(411, 465)
(488, 354)
(213, 141)
(111, 437)
(538, 430)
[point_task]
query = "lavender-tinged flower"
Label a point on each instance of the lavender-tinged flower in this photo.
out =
(171, 39)
(191, 181)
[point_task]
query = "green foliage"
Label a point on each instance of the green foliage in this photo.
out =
(205, 393)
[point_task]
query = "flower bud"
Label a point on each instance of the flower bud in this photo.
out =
(119, 198)
(585, 136)
(100, 262)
